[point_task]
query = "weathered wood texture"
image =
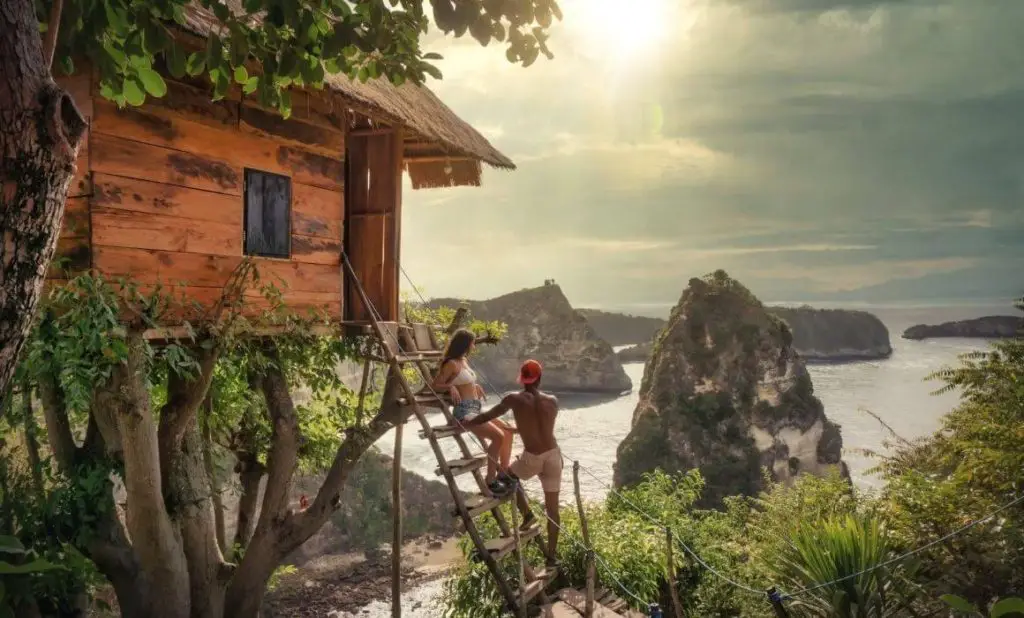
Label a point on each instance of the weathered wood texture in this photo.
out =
(373, 196)
(167, 195)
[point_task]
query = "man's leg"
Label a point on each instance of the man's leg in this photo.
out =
(554, 521)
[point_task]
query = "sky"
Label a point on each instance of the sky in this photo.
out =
(831, 150)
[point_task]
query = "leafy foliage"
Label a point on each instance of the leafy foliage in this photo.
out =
(1010, 606)
(267, 46)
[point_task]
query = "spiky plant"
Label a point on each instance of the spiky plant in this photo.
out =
(841, 553)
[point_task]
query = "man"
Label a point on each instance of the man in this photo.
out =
(535, 414)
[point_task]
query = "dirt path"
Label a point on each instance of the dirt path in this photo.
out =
(347, 582)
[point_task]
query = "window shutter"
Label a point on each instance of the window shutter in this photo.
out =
(267, 214)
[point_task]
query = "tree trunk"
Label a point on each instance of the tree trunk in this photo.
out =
(153, 534)
(211, 471)
(189, 484)
(31, 439)
(250, 473)
(40, 129)
(281, 531)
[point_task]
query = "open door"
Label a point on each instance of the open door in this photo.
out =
(373, 210)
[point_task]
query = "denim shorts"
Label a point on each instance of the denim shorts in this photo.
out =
(467, 409)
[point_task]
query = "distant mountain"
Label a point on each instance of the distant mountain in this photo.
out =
(621, 329)
(981, 284)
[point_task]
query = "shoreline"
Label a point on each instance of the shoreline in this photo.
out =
(342, 585)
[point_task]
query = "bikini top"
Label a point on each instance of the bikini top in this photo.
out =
(464, 377)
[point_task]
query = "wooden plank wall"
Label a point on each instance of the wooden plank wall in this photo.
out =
(167, 203)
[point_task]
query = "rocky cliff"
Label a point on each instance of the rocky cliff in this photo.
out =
(543, 325)
(724, 391)
(835, 334)
(826, 335)
(622, 329)
(989, 327)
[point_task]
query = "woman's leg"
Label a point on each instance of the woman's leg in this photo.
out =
(506, 444)
(494, 438)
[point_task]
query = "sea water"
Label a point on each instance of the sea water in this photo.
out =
(895, 389)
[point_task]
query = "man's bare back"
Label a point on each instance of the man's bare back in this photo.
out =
(535, 413)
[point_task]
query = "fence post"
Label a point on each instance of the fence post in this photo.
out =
(588, 609)
(776, 600)
(396, 522)
(677, 605)
(520, 606)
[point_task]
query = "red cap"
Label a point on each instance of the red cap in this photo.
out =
(529, 372)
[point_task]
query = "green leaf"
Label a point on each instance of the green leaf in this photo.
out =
(960, 604)
(1013, 605)
(241, 75)
(251, 84)
(133, 91)
(152, 82)
(23, 569)
(175, 61)
(196, 63)
(11, 545)
(362, 74)
(433, 56)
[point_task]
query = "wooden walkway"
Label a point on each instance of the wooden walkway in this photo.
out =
(571, 603)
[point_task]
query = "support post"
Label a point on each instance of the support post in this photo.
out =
(670, 567)
(776, 600)
(588, 609)
(362, 392)
(396, 537)
(520, 606)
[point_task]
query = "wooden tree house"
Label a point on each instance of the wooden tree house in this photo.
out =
(183, 188)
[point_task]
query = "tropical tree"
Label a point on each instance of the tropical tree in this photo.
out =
(268, 46)
(162, 416)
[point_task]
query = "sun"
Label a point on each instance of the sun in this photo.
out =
(625, 29)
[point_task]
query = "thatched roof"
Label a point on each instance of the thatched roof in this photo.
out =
(414, 107)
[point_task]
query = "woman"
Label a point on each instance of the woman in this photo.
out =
(459, 379)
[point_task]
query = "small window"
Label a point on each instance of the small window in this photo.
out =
(268, 209)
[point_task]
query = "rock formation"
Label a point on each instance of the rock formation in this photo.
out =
(725, 392)
(828, 335)
(835, 334)
(543, 325)
(989, 327)
(622, 329)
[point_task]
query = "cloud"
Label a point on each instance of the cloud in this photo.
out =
(806, 145)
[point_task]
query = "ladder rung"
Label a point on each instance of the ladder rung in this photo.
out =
(427, 400)
(544, 574)
(418, 357)
(531, 590)
(499, 548)
(443, 431)
(478, 504)
(462, 466)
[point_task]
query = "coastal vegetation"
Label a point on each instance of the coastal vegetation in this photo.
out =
(946, 530)
(118, 443)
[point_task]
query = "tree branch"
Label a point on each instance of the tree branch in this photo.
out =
(284, 448)
(58, 426)
(358, 440)
(52, 27)
(184, 398)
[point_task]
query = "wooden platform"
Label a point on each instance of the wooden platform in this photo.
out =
(571, 604)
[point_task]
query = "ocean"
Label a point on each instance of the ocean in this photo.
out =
(895, 389)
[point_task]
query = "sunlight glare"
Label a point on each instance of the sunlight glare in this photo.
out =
(623, 30)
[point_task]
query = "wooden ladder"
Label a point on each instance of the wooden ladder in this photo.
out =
(417, 345)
